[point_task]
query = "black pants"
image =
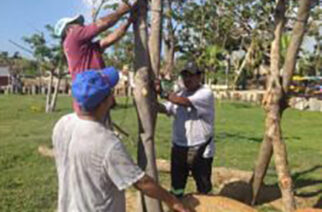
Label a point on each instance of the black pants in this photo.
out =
(186, 159)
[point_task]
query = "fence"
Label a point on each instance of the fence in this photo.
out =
(256, 96)
(43, 90)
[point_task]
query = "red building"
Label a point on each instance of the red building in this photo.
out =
(4, 76)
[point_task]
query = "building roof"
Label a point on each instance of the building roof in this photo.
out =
(4, 71)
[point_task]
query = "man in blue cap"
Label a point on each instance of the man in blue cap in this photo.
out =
(93, 166)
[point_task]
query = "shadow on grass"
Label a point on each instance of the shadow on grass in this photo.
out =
(319, 203)
(239, 136)
(301, 183)
(123, 105)
(242, 191)
(241, 105)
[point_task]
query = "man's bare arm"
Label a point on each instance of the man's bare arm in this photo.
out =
(111, 19)
(171, 97)
(179, 100)
(116, 35)
(149, 187)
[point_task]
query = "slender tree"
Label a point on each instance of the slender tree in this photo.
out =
(145, 98)
(169, 37)
(276, 101)
(156, 35)
(50, 59)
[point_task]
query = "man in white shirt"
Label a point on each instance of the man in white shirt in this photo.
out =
(93, 165)
(192, 131)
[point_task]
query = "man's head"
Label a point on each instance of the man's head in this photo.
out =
(191, 76)
(92, 88)
(62, 24)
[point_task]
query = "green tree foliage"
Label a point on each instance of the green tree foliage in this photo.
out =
(121, 53)
(50, 56)
(211, 29)
(17, 64)
(4, 58)
(51, 60)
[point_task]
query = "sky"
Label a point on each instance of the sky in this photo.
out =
(20, 18)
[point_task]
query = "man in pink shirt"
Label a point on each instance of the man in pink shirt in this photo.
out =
(81, 51)
(77, 39)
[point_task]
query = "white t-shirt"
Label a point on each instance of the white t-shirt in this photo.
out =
(194, 125)
(93, 166)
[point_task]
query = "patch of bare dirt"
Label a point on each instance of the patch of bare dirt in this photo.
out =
(234, 192)
(207, 203)
(234, 184)
(46, 151)
(131, 200)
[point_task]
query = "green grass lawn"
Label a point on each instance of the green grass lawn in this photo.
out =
(28, 180)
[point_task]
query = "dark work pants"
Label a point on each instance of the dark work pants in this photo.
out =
(186, 159)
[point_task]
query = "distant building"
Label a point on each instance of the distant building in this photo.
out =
(4, 76)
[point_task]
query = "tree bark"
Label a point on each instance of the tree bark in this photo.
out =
(275, 105)
(266, 147)
(296, 41)
(55, 95)
(246, 60)
(261, 166)
(155, 36)
(145, 96)
(169, 41)
(275, 102)
(285, 181)
(50, 84)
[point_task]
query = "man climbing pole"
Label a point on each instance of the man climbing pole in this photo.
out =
(81, 51)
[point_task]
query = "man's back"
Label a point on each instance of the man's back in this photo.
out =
(90, 162)
(81, 52)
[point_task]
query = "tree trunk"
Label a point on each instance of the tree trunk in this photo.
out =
(50, 84)
(55, 95)
(169, 41)
(266, 148)
(155, 36)
(145, 96)
(276, 102)
(285, 181)
(261, 166)
(227, 70)
(318, 60)
(96, 11)
(296, 41)
(246, 60)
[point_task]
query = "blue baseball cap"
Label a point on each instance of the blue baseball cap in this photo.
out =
(91, 87)
(62, 24)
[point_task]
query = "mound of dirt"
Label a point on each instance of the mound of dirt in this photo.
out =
(304, 204)
(206, 203)
(220, 175)
(309, 210)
